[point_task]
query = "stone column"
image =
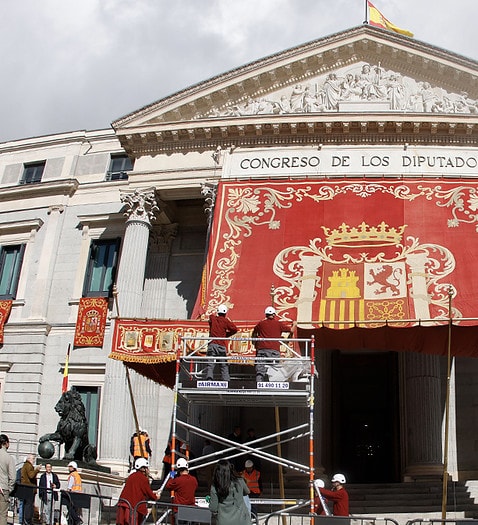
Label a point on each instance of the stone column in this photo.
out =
(42, 283)
(154, 296)
(423, 402)
(140, 209)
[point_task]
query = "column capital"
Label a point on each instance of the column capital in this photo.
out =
(141, 205)
(162, 237)
(209, 190)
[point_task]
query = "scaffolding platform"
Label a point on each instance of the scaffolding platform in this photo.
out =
(243, 393)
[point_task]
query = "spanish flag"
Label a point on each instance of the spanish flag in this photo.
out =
(64, 386)
(378, 20)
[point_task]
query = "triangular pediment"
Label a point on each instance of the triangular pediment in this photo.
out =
(364, 69)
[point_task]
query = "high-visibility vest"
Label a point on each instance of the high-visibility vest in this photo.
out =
(76, 487)
(137, 448)
(252, 479)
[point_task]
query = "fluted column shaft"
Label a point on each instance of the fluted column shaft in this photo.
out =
(423, 415)
(115, 437)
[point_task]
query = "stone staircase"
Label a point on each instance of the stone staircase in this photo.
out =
(417, 498)
(399, 501)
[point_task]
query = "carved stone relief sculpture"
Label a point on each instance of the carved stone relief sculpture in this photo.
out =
(362, 83)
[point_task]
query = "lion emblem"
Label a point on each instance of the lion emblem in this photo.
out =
(387, 278)
(72, 429)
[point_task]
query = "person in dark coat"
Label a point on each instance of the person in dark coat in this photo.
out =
(29, 477)
(48, 492)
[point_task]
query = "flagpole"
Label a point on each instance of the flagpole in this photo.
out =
(366, 12)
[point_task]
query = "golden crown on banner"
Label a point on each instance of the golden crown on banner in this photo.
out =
(364, 235)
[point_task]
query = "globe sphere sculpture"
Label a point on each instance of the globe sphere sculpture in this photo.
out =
(46, 449)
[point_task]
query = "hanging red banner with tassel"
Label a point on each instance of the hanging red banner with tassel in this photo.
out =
(91, 321)
(5, 307)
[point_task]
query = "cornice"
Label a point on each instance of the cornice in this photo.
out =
(60, 139)
(29, 191)
(331, 128)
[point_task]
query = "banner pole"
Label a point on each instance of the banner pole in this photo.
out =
(128, 380)
(366, 12)
(447, 412)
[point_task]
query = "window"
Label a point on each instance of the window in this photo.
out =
(11, 258)
(119, 166)
(32, 172)
(101, 269)
(90, 395)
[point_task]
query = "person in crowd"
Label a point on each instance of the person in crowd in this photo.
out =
(252, 436)
(320, 503)
(338, 495)
(140, 445)
(219, 326)
(227, 496)
(268, 333)
(7, 477)
(183, 484)
(236, 436)
(49, 484)
(136, 489)
(253, 480)
(29, 477)
(167, 459)
(206, 472)
(18, 479)
(73, 484)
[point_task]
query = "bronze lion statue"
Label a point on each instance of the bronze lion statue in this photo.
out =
(72, 429)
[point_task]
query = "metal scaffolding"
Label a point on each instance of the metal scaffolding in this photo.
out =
(243, 391)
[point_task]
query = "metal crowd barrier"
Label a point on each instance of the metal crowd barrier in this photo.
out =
(285, 517)
(91, 506)
(433, 521)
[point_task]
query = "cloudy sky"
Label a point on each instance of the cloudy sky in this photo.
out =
(80, 64)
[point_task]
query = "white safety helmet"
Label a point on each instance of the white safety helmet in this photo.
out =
(319, 484)
(222, 309)
(73, 464)
(140, 463)
(181, 463)
(270, 310)
(340, 478)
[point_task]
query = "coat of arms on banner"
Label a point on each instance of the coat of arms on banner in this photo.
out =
(369, 291)
(363, 276)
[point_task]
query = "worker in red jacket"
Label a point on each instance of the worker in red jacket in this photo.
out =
(136, 489)
(268, 333)
(220, 326)
(338, 495)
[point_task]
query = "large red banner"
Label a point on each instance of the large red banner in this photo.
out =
(345, 253)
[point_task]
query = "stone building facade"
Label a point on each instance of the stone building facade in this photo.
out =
(374, 104)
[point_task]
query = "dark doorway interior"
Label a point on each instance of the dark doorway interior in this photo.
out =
(365, 416)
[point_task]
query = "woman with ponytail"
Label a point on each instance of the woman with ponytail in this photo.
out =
(227, 496)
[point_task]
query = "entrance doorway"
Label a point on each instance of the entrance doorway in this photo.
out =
(365, 416)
